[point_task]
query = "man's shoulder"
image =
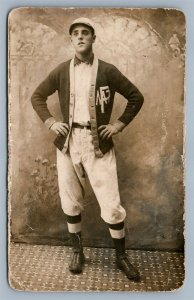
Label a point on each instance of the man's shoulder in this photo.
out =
(106, 64)
(108, 68)
(61, 67)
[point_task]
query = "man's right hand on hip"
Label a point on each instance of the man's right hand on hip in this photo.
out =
(60, 128)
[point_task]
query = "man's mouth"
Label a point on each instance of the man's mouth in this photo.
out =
(81, 43)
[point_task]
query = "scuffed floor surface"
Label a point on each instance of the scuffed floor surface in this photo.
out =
(45, 268)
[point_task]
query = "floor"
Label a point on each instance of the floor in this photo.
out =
(45, 268)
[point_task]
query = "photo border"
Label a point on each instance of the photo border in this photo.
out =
(187, 291)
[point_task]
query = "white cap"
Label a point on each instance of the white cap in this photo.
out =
(84, 21)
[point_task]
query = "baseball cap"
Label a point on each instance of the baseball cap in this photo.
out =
(84, 21)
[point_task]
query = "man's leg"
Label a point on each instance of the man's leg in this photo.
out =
(117, 232)
(71, 194)
(74, 227)
(102, 174)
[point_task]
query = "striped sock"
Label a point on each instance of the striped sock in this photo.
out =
(74, 223)
(117, 231)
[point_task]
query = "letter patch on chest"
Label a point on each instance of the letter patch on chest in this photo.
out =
(103, 96)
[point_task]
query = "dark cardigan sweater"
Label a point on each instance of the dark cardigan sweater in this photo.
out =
(109, 80)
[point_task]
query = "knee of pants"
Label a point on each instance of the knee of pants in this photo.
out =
(70, 208)
(73, 211)
(114, 216)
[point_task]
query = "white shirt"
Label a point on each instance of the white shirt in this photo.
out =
(82, 86)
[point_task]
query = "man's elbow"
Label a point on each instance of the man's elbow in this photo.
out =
(33, 100)
(141, 99)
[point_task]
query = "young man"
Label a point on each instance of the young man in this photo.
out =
(86, 87)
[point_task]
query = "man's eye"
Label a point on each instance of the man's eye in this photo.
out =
(85, 32)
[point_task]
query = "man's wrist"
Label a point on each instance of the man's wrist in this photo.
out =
(119, 125)
(49, 122)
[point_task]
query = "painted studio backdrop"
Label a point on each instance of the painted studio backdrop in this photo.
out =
(147, 45)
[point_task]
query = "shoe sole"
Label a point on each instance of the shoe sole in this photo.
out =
(75, 271)
(134, 278)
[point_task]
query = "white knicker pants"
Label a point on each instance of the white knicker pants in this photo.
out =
(102, 174)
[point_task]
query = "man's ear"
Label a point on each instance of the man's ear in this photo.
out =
(70, 38)
(94, 38)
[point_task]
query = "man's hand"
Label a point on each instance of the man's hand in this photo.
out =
(106, 131)
(60, 128)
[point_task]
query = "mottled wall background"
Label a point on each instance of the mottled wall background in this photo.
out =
(147, 45)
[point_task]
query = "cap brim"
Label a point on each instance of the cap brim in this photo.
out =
(76, 24)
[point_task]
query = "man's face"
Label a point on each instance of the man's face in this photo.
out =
(82, 39)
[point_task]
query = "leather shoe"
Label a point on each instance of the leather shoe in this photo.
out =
(124, 264)
(77, 262)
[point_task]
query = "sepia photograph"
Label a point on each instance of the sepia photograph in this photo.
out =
(96, 149)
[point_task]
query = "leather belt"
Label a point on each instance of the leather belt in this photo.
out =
(77, 125)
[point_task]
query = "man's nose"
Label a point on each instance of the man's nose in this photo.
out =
(80, 36)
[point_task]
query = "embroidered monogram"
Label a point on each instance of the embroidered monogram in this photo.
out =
(103, 96)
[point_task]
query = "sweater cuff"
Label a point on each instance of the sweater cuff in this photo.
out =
(49, 122)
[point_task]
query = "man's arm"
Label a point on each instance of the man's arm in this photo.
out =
(39, 99)
(40, 96)
(127, 89)
(135, 101)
